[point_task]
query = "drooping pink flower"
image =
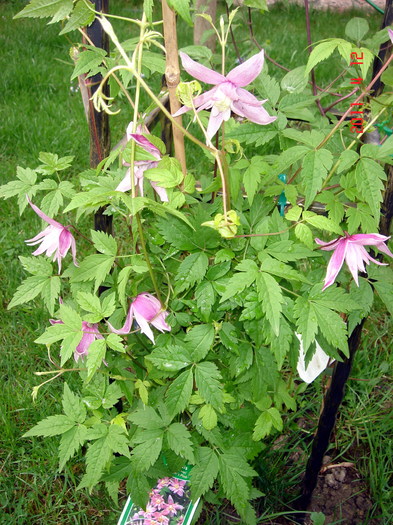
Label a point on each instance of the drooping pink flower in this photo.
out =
(177, 486)
(55, 240)
(351, 249)
(140, 166)
(147, 310)
(227, 94)
(90, 334)
(171, 507)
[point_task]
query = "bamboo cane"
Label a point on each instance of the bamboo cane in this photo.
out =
(172, 76)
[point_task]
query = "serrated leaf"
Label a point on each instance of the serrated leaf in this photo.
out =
(95, 356)
(289, 157)
(28, 290)
(170, 358)
(369, 177)
(70, 442)
(73, 405)
(51, 426)
(104, 243)
(36, 265)
(45, 8)
(238, 282)
(205, 298)
(182, 7)
(315, 167)
(347, 160)
(164, 177)
(179, 440)
(295, 81)
(146, 454)
(207, 378)
(199, 340)
(332, 326)
(281, 269)
(147, 418)
(204, 472)
(179, 393)
(95, 267)
(208, 416)
(356, 28)
(321, 222)
(89, 302)
(319, 53)
(191, 270)
(50, 292)
(81, 16)
(304, 234)
(89, 61)
(122, 281)
(252, 177)
(139, 487)
(307, 324)
(270, 295)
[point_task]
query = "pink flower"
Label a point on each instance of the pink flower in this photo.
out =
(160, 518)
(55, 240)
(171, 507)
(164, 482)
(157, 501)
(140, 166)
(146, 309)
(177, 486)
(351, 248)
(227, 94)
(90, 334)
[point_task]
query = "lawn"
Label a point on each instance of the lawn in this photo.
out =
(42, 111)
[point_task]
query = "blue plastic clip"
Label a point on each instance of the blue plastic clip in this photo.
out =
(282, 200)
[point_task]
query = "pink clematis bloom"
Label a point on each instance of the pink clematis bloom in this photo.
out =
(227, 94)
(177, 486)
(140, 166)
(55, 240)
(171, 507)
(351, 249)
(90, 334)
(147, 310)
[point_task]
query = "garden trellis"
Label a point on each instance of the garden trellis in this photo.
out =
(205, 257)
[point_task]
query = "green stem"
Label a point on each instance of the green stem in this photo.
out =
(147, 258)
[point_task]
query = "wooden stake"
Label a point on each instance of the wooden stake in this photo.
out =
(172, 76)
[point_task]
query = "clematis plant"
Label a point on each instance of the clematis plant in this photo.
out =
(351, 249)
(244, 307)
(55, 240)
(228, 94)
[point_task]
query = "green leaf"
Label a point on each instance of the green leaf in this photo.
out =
(179, 440)
(208, 416)
(95, 267)
(139, 487)
(115, 342)
(307, 324)
(199, 341)
(321, 222)
(321, 52)
(385, 291)
(164, 177)
(233, 470)
(252, 176)
(270, 295)
(89, 61)
(122, 281)
(347, 160)
(50, 292)
(191, 270)
(205, 298)
(179, 393)
(52, 163)
(289, 157)
(315, 167)
(91, 303)
(281, 269)
(295, 81)
(170, 358)
(148, 10)
(81, 16)
(73, 406)
(147, 418)
(146, 454)
(356, 28)
(59, 9)
(182, 7)
(207, 378)
(267, 87)
(332, 326)
(37, 265)
(70, 442)
(51, 426)
(95, 356)
(304, 234)
(248, 272)
(204, 472)
(369, 177)
(104, 243)
(28, 290)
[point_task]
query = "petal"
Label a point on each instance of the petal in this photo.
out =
(248, 98)
(125, 184)
(41, 214)
(146, 305)
(384, 249)
(202, 73)
(328, 246)
(146, 144)
(161, 192)
(354, 260)
(367, 257)
(390, 32)
(64, 242)
(248, 71)
(259, 115)
(73, 251)
(215, 122)
(144, 326)
(368, 239)
(159, 322)
(335, 263)
(127, 325)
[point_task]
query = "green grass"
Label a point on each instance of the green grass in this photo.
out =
(41, 113)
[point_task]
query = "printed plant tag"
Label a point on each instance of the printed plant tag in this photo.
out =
(169, 504)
